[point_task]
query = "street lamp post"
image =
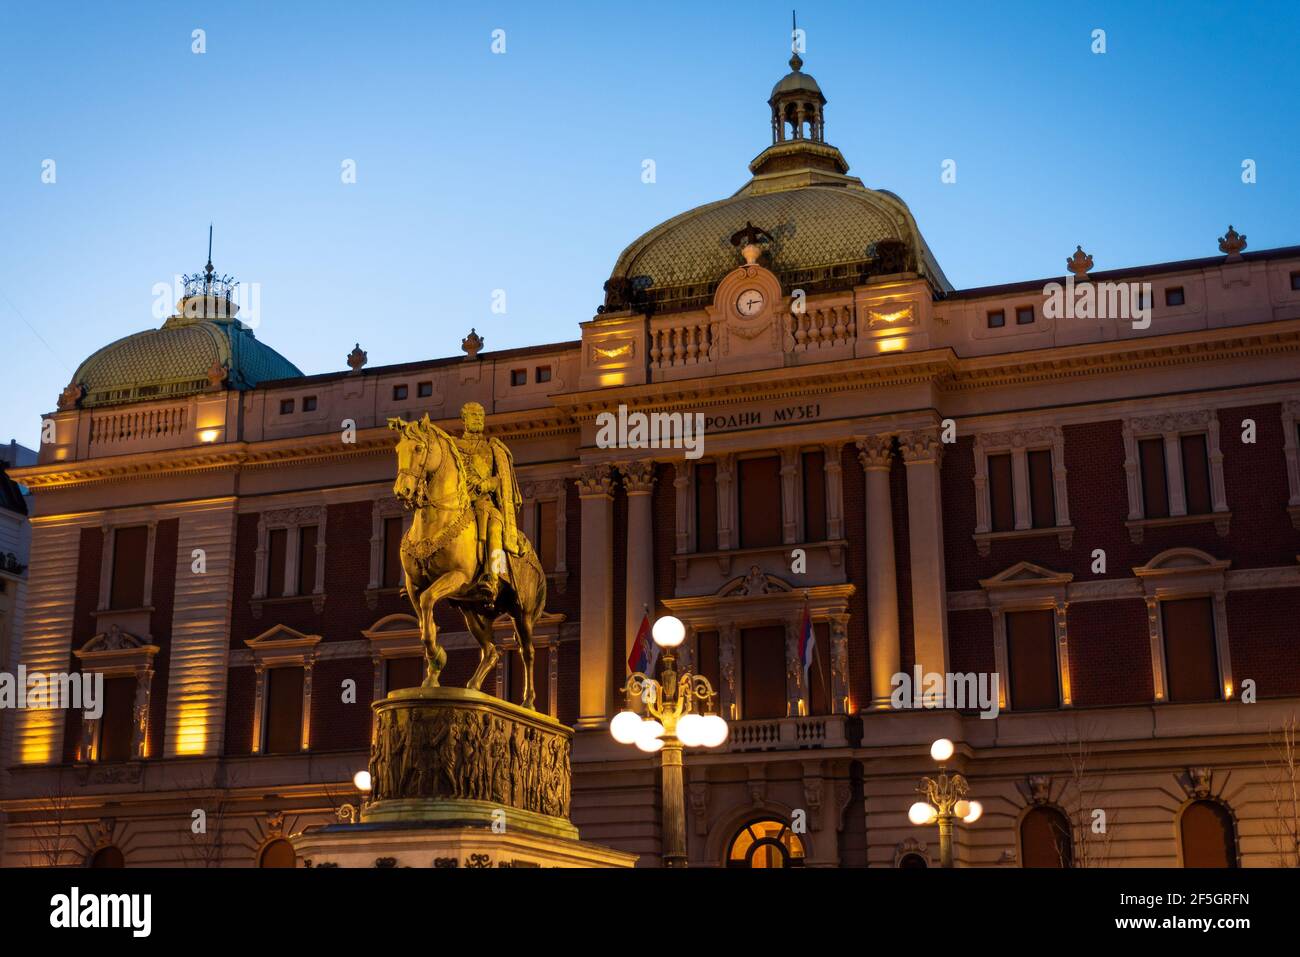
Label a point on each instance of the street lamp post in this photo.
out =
(670, 723)
(945, 800)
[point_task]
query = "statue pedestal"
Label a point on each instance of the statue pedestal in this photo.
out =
(461, 779)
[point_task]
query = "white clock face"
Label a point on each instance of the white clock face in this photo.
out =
(750, 302)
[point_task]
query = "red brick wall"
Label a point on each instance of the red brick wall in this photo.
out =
(240, 695)
(90, 556)
(1110, 653)
(160, 626)
(855, 519)
(1262, 639)
(970, 641)
(902, 561)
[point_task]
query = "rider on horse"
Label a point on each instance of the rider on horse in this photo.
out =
(495, 495)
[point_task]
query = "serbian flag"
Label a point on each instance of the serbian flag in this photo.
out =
(807, 641)
(644, 651)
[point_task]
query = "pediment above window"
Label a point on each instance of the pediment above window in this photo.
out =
(281, 644)
(1027, 573)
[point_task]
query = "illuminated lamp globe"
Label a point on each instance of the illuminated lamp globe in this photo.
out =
(625, 726)
(691, 729)
(362, 781)
(961, 809)
(941, 750)
(648, 736)
(714, 730)
(922, 813)
(669, 632)
(976, 810)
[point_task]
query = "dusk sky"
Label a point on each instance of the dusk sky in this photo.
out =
(522, 171)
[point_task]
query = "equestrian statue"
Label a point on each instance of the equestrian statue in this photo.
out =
(464, 543)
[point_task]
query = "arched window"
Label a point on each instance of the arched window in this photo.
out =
(277, 853)
(1045, 839)
(765, 844)
(911, 861)
(109, 856)
(1208, 835)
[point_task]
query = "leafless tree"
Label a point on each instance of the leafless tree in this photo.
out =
(1081, 798)
(53, 832)
(1284, 788)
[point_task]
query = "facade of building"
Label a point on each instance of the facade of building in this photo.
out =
(15, 542)
(1101, 511)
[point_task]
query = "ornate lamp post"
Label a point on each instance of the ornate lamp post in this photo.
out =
(945, 800)
(351, 813)
(670, 723)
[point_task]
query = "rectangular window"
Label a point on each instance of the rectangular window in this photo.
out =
(130, 547)
(762, 656)
(1191, 662)
(1155, 491)
(309, 403)
(819, 675)
(307, 560)
(424, 389)
(814, 496)
(392, 577)
(518, 376)
(1031, 657)
(997, 319)
(1024, 315)
(544, 529)
(284, 710)
(286, 406)
(399, 392)
(707, 660)
(1002, 497)
(117, 723)
(277, 549)
(543, 374)
(759, 494)
(1295, 280)
(402, 673)
(1196, 475)
(1174, 296)
(1042, 492)
(706, 507)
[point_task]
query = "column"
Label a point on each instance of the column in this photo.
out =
(791, 506)
(882, 576)
(639, 481)
(595, 492)
(922, 451)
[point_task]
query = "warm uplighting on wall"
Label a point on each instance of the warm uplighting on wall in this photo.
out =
(208, 435)
(192, 728)
(612, 378)
(1227, 691)
(892, 344)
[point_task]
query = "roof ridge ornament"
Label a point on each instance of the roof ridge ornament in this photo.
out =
(748, 240)
(356, 358)
(1232, 243)
(472, 344)
(1079, 264)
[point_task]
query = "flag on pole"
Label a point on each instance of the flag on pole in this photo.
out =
(807, 641)
(644, 651)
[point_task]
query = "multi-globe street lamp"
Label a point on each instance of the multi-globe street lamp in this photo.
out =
(670, 723)
(945, 800)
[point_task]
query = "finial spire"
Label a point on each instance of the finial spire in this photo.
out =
(795, 60)
(208, 269)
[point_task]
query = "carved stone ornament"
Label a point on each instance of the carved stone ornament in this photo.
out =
(440, 747)
(274, 824)
(1079, 264)
(472, 344)
(114, 639)
(70, 397)
(217, 374)
(1232, 243)
(1039, 788)
(356, 358)
(1199, 782)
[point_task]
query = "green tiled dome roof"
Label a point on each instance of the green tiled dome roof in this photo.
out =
(176, 359)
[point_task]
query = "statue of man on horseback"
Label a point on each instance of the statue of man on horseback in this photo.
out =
(464, 543)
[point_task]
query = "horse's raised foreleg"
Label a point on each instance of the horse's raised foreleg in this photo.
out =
(524, 630)
(480, 626)
(434, 656)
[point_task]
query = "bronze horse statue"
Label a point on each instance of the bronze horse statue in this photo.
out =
(441, 555)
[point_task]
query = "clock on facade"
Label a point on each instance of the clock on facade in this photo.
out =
(750, 302)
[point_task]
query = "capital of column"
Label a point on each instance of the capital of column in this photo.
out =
(638, 477)
(875, 452)
(921, 447)
(595, 481)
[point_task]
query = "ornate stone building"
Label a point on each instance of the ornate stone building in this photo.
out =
(1101, 511)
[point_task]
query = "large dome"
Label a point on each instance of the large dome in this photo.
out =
(178, 359)
(823, 229)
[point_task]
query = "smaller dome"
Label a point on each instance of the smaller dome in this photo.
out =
(796, 81)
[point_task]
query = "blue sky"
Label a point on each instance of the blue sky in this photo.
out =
(522, 171)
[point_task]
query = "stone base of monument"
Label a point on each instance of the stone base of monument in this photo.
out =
(461, 779)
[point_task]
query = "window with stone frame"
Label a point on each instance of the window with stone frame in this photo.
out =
(389, 521)
(121, 732)
(290, 555)
(759, 494)
(283, 662)
(1291, 453)
(1031, 651)
(1174, 468)
(1020, 486)
(543, 518)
